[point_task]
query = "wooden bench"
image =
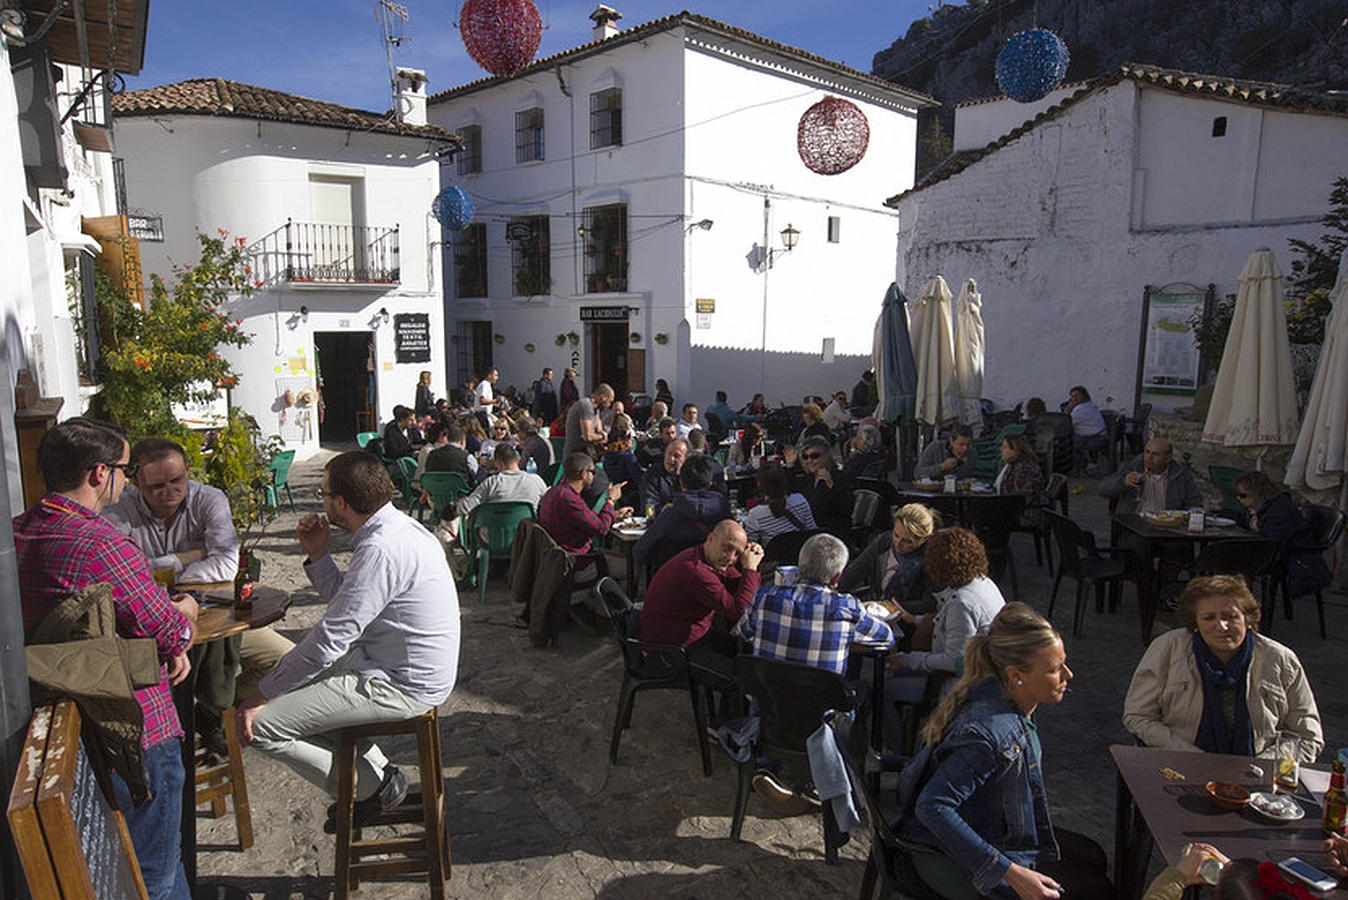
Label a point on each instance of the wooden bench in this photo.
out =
(72, 840)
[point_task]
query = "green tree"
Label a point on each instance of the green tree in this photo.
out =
(1315, 269)
(166, 353)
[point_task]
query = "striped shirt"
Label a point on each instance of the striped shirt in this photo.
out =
(63, 546)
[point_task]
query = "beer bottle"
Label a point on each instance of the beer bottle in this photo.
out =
(1336, 801)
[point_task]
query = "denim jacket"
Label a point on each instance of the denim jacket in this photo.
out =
(979, 793)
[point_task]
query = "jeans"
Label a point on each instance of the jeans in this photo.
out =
(156, 826)
(299, 728)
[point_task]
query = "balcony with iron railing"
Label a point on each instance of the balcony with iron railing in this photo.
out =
(310, 253)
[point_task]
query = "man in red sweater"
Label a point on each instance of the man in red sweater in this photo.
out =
(720, 575)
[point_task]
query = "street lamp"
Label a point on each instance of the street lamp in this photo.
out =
(790, 236)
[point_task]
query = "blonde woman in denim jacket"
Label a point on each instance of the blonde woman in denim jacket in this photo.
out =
(976, 788)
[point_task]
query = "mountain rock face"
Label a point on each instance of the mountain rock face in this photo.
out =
(951, 55)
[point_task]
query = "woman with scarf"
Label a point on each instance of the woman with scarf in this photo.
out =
(890, 568)
(1215, 684)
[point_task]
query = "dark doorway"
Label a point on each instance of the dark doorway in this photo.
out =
(608, 355)
(473, 348)
(346, 373)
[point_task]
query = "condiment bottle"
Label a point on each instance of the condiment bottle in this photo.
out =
(1336, 802)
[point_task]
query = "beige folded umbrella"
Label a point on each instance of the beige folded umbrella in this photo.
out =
(1254, 399)
(934, 351)
(969, 353)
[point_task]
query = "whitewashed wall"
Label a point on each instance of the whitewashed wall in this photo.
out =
(247, 178)
(1043, 225)
(703, 137)
(980, 122)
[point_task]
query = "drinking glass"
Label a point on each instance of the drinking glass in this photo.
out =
(1286, 768)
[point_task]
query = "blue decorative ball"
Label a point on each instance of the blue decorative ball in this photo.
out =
(1031, 64)
(453, 208)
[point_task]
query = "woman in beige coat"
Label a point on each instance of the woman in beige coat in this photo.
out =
(1215, 684)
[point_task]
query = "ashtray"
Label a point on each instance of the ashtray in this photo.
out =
(1228, 796)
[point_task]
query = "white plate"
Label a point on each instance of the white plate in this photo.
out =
(1220, 521)
(877, 610)
(1261, 799)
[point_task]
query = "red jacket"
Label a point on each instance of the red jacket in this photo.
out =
(686, 592)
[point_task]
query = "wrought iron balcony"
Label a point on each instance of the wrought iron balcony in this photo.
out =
(314, 253)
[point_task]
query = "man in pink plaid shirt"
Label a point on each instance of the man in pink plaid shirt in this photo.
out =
(63, 545)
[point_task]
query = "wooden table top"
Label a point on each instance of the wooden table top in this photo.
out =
(222, 619)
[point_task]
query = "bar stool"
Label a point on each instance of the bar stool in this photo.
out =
(427, 852)
(217, 781)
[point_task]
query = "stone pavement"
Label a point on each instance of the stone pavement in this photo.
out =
(536, 810)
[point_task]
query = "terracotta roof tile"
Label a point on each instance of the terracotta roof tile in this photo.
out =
(1256, 93)
(221, 97)
(640, 32)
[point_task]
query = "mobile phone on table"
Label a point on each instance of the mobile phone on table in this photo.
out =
(1307, 873)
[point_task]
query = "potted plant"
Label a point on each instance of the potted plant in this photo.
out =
(240, 466)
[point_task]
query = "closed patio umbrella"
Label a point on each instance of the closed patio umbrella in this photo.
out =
(934, 353)
(1254, 401)
(1321, 454)
(892, 358)
(969, 353)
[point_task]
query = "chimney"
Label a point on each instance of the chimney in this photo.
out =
(411, 96)
(605, 19)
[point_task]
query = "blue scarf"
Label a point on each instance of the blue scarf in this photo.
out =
(1218, 677)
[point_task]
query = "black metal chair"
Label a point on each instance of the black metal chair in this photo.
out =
(791, 701)
(1083, 561)
(648, 666)
(784, 549)
(993, 519)
(1254, 559)
(889, 861)
(716, 430)
(1051, 435)
(1136, 434)
(1327, 524)
(867, 507)
(1054, 493)
(911, 715)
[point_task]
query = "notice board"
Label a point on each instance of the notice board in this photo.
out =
(412, 338)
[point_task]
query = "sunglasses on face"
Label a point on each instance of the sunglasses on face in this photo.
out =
(1242, 495)
(128, 469)
(811, 456)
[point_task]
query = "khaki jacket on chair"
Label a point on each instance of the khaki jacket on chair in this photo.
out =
(75, 652)
(1164, 704)
(540, 580)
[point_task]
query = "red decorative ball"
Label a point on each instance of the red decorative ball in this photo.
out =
(501, 35)
(832, 136)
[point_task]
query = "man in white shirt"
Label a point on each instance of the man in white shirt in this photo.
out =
(386, 649)
(837, 415)
(688, 421)
(508, 483)
(486, 398)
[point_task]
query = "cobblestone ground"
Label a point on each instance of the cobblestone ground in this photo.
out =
(536, 810)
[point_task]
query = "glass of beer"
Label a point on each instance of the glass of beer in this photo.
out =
(1286, 768)
(163, 578)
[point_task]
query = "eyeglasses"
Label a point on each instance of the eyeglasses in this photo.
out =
(128, 469)
(319, 493)
(1242, 495)
(812, 456)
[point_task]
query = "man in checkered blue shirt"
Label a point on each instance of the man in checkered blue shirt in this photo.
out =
(810, 623)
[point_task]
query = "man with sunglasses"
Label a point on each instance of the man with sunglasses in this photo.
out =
(62, 545)
(185, 526)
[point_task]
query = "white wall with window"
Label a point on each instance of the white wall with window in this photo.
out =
(644, 138)
(340, 226)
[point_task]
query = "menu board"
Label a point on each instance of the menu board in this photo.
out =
(1170, 363)
(412, 338)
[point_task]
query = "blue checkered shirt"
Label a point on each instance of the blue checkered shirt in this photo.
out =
(809, 624)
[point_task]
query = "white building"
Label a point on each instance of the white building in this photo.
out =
(631, 197)
(335, 205)
(58, 193)
(1143, 177)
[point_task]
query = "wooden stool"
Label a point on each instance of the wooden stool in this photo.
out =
(427, 852)
(216, 782)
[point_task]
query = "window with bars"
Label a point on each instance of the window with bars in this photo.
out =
(470, 262)
(473, 351)
(470, 157)
(605, 248)
(530, 266)
(606, 118)
(529, 135)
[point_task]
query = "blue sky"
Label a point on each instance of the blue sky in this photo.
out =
(333, 50)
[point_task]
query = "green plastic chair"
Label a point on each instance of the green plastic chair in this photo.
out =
(558, 447)
(364, 438)
(722, 456)
(402, 472)
(445, 489)
(1224, 479)
(280, 478)
(490, 532)
(989, 460)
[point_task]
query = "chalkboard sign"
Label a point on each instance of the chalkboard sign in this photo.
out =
(57, 800)
(412, 338)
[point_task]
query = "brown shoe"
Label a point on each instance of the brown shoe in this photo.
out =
(782, 799)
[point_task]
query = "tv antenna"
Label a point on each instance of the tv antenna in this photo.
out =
(391, 18)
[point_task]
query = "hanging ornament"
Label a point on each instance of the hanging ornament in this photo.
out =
(501, 35)
(1031, 64)
(832, 136)
(453, 208)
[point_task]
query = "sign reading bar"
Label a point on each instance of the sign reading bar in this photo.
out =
(706, 304)
(603, 313)
(146, 228)
(412, 337)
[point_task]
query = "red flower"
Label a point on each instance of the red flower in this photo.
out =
(257, 283)
(240, 241)
(205, 325)
(222, 232)
(142, 362)
(238, 321)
